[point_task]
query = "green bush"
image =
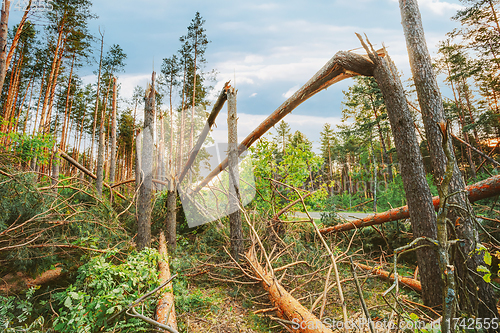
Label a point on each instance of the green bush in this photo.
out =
(103, 288)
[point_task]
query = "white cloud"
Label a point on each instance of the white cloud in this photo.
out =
(253, 95)
(127, 83)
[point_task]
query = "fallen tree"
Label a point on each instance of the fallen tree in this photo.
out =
(481, 190)
(14, 283)
(165, 310)
(412, 283)
(295, 315)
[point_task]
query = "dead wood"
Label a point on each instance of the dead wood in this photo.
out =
(86, 171)
(413, 284)
(210, 122)
(14, 283)
(165, 310)
(481, 190)
(288, 307)
(476, 150)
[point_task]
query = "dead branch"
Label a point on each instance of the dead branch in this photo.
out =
(413, 284)
(477, 151)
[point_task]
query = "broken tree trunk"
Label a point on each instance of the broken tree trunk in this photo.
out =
(475, 295)
(100, 155)
(236, 232)
(481, 190)
(412, 283)
(343, 65)
(210, 122)
(165, 310)
(112, 166)
(146, 188)
(418, 193)
(288, 307)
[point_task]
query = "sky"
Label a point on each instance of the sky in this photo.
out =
(268, 49)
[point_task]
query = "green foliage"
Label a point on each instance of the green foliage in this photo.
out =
(16, 314)
(103, 288)
(27, 146)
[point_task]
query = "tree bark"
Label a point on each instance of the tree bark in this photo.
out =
(96, 102)
(166, 306)
(146, 188)
(4, 33)
(4, 63)
(418, 193)
(431, 104)
(171, 220)
(112, 167)
(236, 232)
(100, 155)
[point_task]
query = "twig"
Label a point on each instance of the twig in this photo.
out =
(361, 298)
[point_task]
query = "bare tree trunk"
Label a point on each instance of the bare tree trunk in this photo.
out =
(96, 102)
(161, 152)
(471, 288)
(138, 154)
(50, 84)
(67, 112)
(4, 33)
(146, 188)
(236, 232)
(418, 194)
(112, 167)
(4, 63)
(171, 220)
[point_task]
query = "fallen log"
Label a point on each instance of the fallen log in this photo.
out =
(412, 283)
(86, 171)
(165, 310)
(14, 283)
(288, 307)
(481, 190)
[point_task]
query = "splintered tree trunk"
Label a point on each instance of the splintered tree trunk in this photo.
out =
(96, 109)
(236, 233)
(4, 32)
(112, 167)
(471, 286)
(146, 188)
(161, 151)
(418, 194)
(171, 220)
(165, 310)
(138, 154)
(100, 156)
